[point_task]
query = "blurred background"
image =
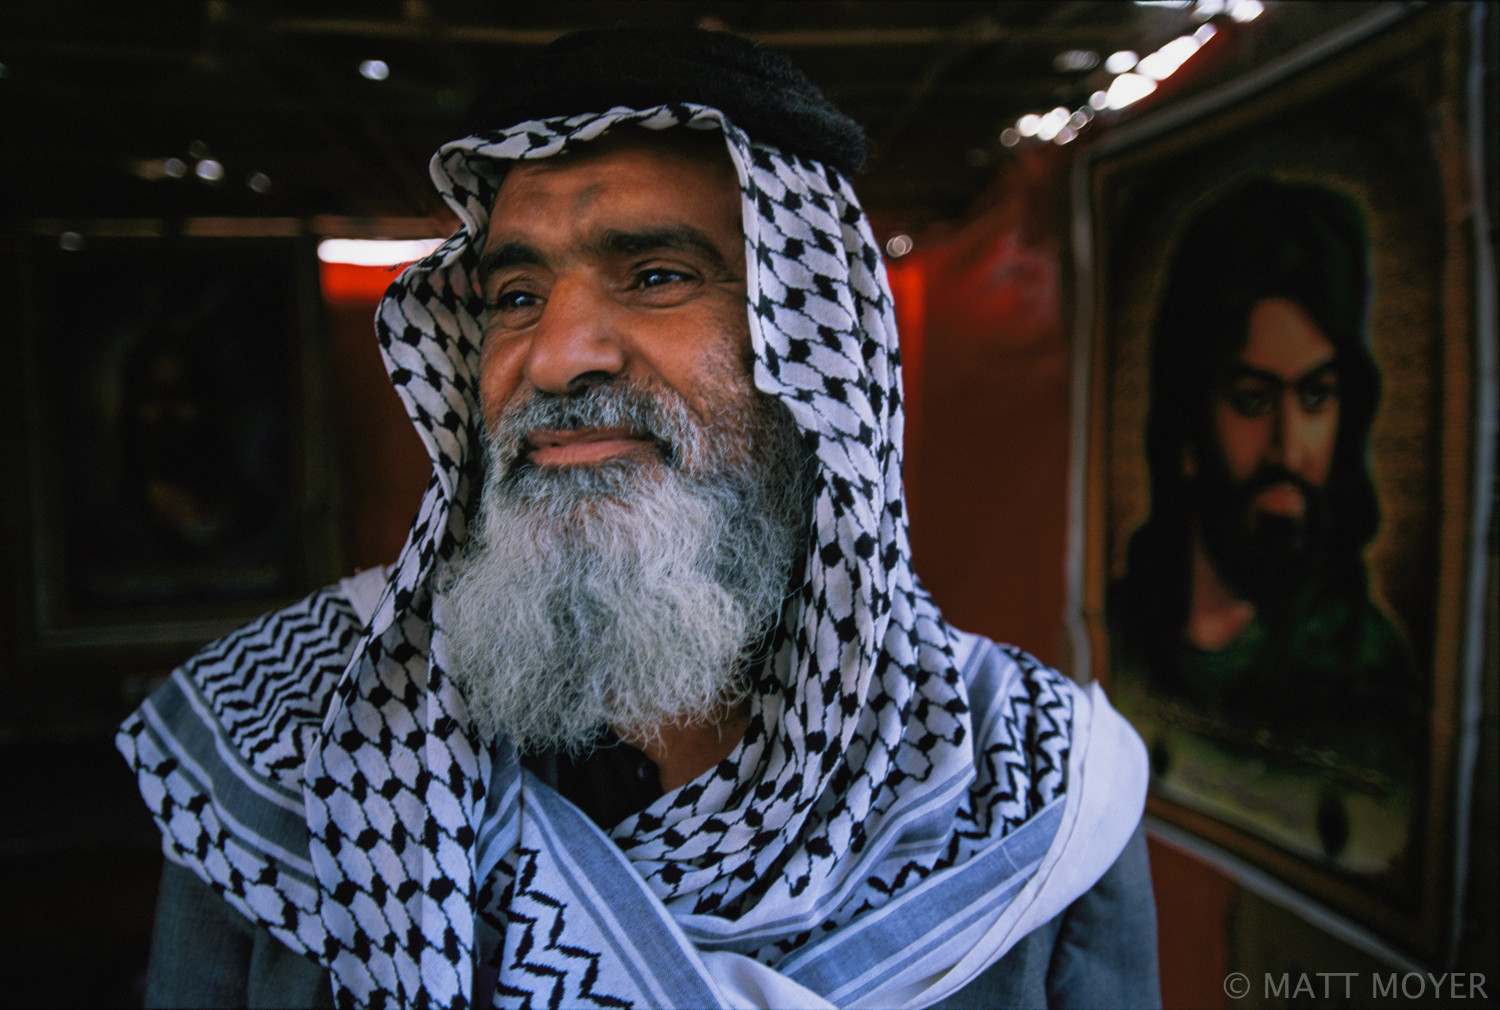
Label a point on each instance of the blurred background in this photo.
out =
(189, 193)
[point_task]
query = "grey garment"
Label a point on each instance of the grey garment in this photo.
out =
(206, 954)
(1099, 952)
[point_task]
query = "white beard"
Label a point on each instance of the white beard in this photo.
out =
(629, 594)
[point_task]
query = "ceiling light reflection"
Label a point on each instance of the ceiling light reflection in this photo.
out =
(1076, 59)
(152, 169)
(375, 252)
(1121, 61)
(899, 245)
(209, 170)
(1164, 62)
(1128, 88)
(374, 70)
(1246, 10)
(1052, 123)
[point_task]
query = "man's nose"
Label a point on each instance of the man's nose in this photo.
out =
(575, 343)
(1289, 441)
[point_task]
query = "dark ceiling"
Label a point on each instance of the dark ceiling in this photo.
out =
(97, 98)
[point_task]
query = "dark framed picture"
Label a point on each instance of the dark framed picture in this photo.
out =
(173, 479)
(1287, 352)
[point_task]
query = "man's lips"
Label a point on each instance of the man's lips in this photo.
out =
(1282, 499)
(582, 445)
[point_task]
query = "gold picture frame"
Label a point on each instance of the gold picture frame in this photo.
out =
(1381, 121)
(173, 478)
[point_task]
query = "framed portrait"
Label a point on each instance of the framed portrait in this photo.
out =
(1284, 461)
(173, 479)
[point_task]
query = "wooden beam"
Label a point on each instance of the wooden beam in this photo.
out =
(794, 39)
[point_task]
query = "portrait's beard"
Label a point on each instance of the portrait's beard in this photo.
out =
(630, 593)
(1262, 557)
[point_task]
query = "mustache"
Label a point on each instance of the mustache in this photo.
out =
(652, 414)
(1268, 475)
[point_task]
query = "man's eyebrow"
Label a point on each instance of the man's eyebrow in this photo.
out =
(507, 254)
(1313, 374)
(683, 238)
(1240, 370)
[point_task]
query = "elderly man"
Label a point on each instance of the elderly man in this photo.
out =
(652, 710)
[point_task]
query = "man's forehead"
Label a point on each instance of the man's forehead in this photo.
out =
(1281, 338)
(668, 154)
(683, 196)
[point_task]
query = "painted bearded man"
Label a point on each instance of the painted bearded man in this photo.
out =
(652, 710)
(1247, 591)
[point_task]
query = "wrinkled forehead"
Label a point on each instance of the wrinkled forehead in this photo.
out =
(633, 178)
(471, 172)
(705, 149)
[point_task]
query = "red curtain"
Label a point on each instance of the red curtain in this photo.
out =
(986, 356)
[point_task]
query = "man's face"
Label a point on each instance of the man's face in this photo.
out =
(1274, 419)
(622, 264)
(1277, 412)
(644, 503)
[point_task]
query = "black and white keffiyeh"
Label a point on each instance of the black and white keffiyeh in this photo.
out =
(902, 796)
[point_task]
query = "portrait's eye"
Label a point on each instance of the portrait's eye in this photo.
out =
(1251, 399)
(1316, 393)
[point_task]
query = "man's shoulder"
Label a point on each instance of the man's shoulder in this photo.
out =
(218, 752)
(265, 687)
(278, 650)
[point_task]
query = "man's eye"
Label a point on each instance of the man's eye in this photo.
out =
(1250, 402)
(656, 277)
(1315, 398)
(509, 301)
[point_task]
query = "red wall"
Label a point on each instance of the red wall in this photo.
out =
(985, 343)
(987, 438)
(383, 467)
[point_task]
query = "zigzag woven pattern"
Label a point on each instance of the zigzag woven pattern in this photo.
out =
(269, 682)
(258, 694)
